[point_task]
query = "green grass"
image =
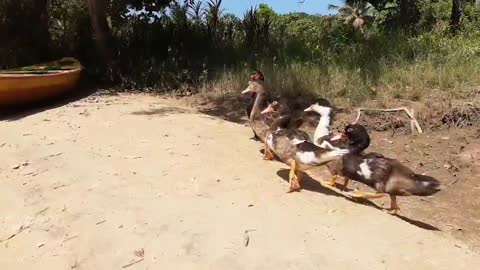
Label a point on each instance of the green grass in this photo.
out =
(429, 68)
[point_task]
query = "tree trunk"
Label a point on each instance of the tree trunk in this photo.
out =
(408, 12)
(43, 35)
(98, 17)
(457, 14)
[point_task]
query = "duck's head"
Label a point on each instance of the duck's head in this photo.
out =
(357, 136)
(272, 107)
(257, 76)
(255, 84)
(322, 110)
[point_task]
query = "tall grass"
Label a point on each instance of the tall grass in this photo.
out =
(429, 68)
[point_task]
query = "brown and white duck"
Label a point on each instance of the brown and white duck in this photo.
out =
(323, 136)
(385, 175)
(293, 147)
(285, 120)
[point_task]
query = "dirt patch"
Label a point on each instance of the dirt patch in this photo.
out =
(140, 181)
(430, 118)
(447, 150)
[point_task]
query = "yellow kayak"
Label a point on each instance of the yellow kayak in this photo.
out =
(38, 82)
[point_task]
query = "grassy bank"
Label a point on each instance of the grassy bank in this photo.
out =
(427, 68)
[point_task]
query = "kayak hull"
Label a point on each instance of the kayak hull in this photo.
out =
(18, 87)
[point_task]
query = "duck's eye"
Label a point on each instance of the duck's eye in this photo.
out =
(349, 129)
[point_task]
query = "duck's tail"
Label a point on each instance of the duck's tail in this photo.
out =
(425, 185)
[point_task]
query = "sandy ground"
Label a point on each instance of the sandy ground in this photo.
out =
(134, 182)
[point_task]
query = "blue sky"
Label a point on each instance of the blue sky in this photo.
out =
(238, 7)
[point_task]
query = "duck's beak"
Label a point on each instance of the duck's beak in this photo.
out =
(309, 109)
(246, 91)
(340, 136)
(267, 110)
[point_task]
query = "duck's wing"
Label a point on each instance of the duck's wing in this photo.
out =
(295, 123)
(373, 155)
(298, 135)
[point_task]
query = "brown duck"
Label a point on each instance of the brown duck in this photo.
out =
(385, 175)
(258, 121)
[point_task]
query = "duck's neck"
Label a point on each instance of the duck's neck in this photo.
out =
(281, 122)
(323, 127)
(357, 146)
(259, 104)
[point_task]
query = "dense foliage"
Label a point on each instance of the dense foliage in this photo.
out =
(168, 44)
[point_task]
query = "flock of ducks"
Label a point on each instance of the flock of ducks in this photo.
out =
(282, 131)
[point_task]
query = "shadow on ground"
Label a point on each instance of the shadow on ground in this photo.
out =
(162, 111)
(308, 183)
(229, 108)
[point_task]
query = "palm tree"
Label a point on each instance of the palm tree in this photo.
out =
(196, 11)
(359, 14)
(213, 13)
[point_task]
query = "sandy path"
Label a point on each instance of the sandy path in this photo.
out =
(106, 179)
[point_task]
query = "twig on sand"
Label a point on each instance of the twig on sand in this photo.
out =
(63, 209)
(60, 186)
(42, 211)
(409, 113)
(53, 155)
(247, 237)
(453, 182)
(21, 229)
(35, 173)
(18, 166)
(100, 222)
(132, 263)
(70, 238)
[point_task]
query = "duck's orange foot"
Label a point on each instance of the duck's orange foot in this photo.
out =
(345, 185)
(332, 182)
(267, 157)
(393, 211)
(365, 195)
(393, 205)
(327, 183)
(294, 185)
(294, 189)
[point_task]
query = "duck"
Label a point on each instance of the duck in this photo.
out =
(284, 121)
(387, 176)
(259, 123)
(294, 148)
(302, 119)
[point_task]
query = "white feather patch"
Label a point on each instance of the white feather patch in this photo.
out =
(336, 137)
(307, 157)
(270, 141)
(323, 127)
(335, 153)
(311, 158)
(297, 141)
(365, 170)
(327, 145)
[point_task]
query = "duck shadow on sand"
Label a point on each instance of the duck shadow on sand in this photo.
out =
(308, 183)
(162, 111)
